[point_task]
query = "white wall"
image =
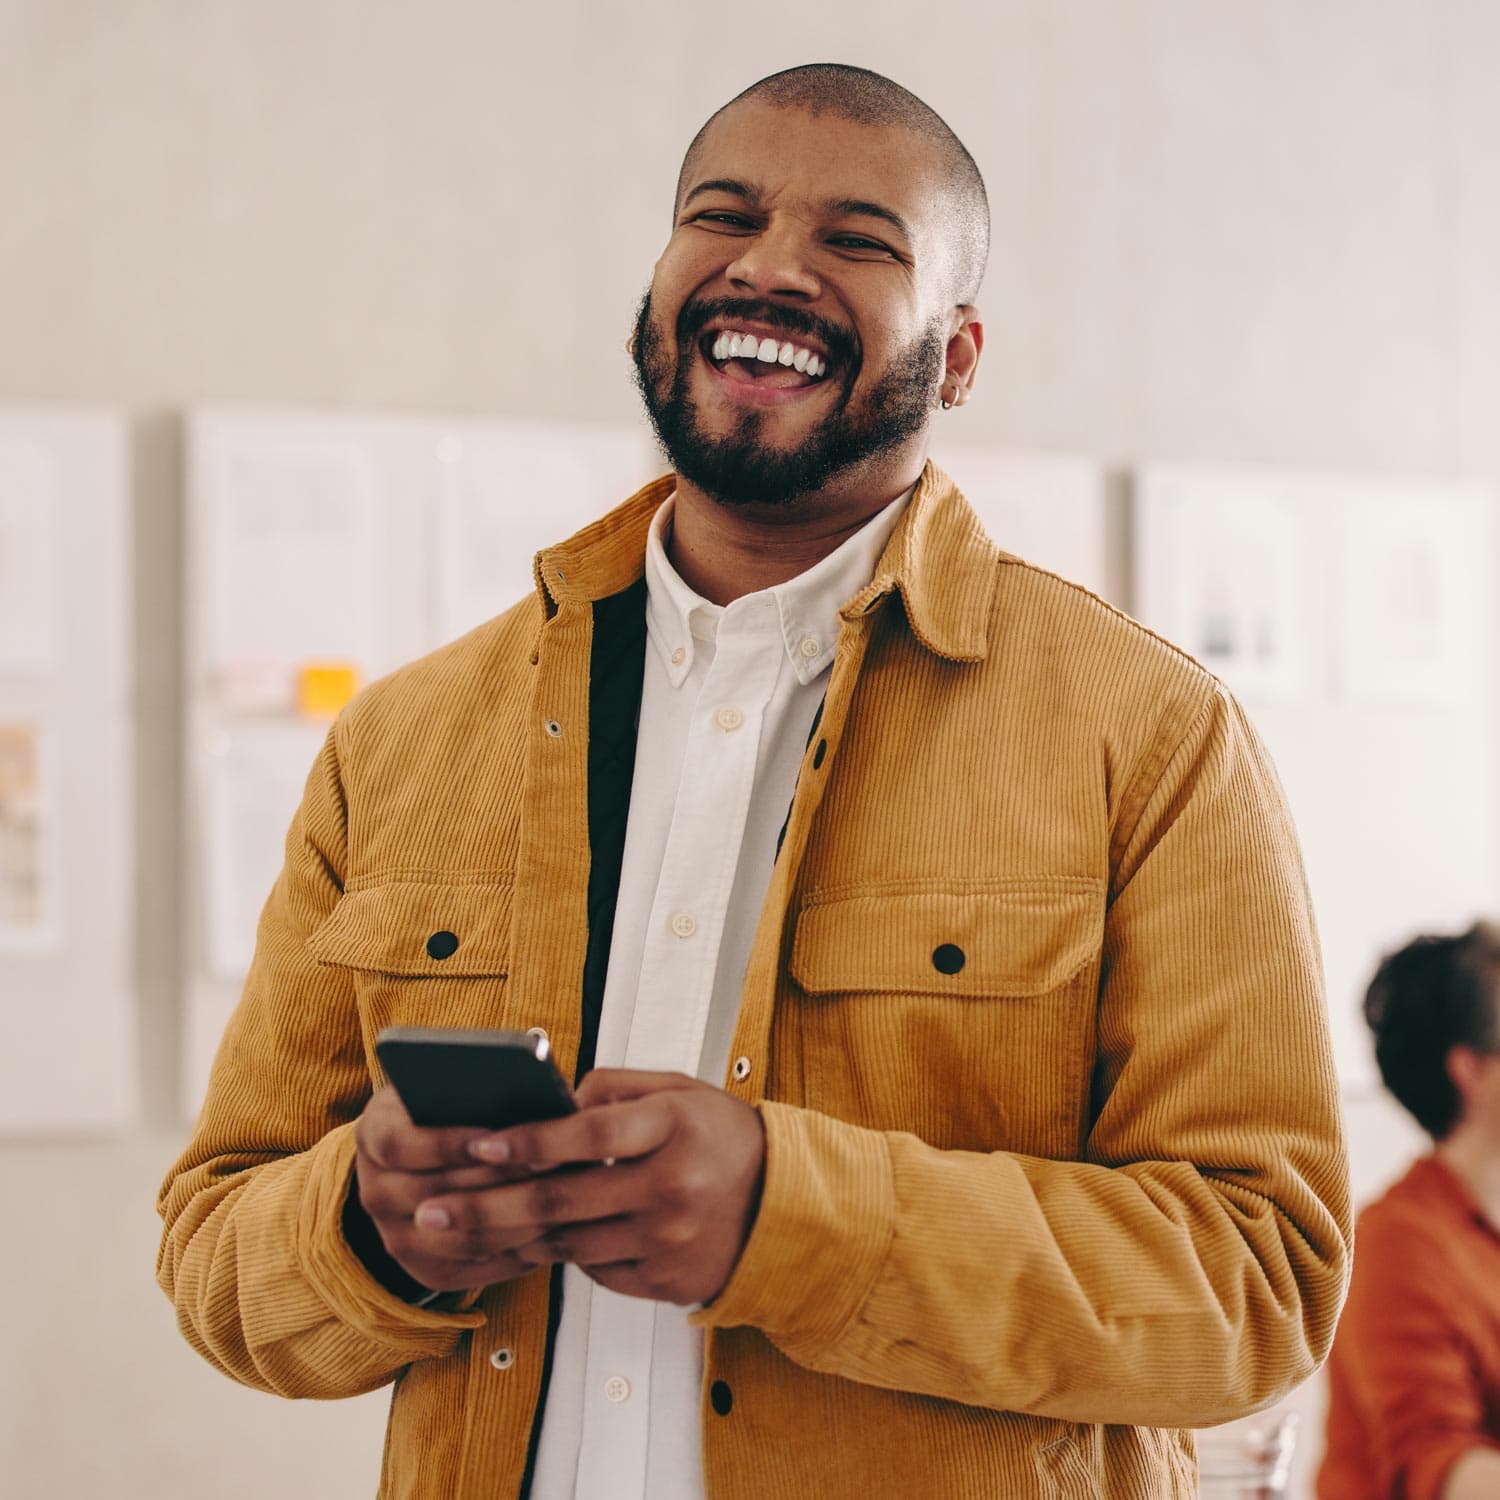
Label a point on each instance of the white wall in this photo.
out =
(1249, 230)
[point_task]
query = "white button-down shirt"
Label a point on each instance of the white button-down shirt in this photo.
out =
(728, 701)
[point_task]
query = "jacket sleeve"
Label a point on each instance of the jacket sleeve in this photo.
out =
(253, 1254)
(1190, 1267)
(1406, 1361)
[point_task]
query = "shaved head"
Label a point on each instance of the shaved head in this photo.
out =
(872, 99)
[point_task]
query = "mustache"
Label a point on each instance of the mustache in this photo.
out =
(696, 316)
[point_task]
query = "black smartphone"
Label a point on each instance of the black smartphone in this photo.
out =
(486, 1078)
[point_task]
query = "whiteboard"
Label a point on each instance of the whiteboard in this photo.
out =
(1367, 663)
(67, 735)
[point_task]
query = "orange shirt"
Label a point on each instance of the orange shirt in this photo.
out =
(1414, 1377)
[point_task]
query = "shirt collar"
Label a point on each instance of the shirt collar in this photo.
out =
(939, 560)
(680, 622)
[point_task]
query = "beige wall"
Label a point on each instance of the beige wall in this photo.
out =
(1242, 230)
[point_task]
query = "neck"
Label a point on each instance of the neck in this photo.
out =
(724, 552)
(1474, 1158)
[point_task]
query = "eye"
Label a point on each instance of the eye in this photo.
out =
(724, 218)
(860, 243)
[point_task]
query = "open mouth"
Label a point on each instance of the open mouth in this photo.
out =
(760, 359)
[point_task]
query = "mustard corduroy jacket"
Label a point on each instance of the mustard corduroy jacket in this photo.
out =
(1025, 1218)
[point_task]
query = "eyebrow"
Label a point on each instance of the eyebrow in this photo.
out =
(859, 206)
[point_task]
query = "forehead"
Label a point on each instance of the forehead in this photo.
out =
(796, 157)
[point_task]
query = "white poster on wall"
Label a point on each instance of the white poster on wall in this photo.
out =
(30, 839)
(1224, 570)
(31, 558)
(1410, 619)
(253, 780)
(506, 492)
(293, 560)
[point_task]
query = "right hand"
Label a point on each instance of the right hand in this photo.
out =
(399, 1166)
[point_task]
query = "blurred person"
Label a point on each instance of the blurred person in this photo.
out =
(1414, 1377)
(929, 942)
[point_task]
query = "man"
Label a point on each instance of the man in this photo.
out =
(1414, 1378)
(962, 1118)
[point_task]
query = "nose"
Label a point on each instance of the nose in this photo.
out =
(774, 263)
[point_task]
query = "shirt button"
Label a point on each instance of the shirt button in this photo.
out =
(617, 1388)
(684, 924)
(810, 648)
(741, 1069)
(729, 718)
(721, 1398)
(678, 657)
(442, 945)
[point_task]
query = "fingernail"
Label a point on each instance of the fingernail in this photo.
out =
(490, 1148)
(430, 1216)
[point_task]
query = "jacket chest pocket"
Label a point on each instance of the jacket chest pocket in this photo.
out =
(421, 954)
(965, 1016)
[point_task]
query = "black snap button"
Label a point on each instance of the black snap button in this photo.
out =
(948, 958)
(721, 1398)
(442, 945)
(818, 755)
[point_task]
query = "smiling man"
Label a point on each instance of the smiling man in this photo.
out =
(929, 942)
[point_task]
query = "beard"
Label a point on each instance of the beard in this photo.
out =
(741, 467)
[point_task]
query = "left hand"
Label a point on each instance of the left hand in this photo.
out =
(666, 1219)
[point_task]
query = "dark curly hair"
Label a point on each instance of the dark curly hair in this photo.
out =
(1434, 994)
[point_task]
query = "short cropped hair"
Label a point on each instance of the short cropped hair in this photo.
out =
(1434, 994)
(872, 99)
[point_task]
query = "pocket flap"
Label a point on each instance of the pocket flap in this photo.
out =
(1021, 938)
(408, 927)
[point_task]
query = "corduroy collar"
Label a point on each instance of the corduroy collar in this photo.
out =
(939, 560)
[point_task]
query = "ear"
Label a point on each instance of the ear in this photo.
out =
(965, 344)
(1464, 1066)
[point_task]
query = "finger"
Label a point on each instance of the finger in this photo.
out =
(462, 1275)
(606, 1242)
(471, 1225)
(386, 1136)
(614, 1085)
(387, 1195)
(603, 1132)
(630, 1279)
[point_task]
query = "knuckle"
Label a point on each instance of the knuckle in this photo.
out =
(550, 1200)
(375, 1196)
(676, 1233)
(373, 1139)
(599, 1136)
(679, 1188)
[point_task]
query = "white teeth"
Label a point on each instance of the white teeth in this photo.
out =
(730, 345)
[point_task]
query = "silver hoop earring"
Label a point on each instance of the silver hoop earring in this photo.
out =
(943, 400)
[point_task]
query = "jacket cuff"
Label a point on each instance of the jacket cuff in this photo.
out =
(338, 1275)
(822, 1233)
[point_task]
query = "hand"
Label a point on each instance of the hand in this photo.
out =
(661, 1182)
(399, 1166)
